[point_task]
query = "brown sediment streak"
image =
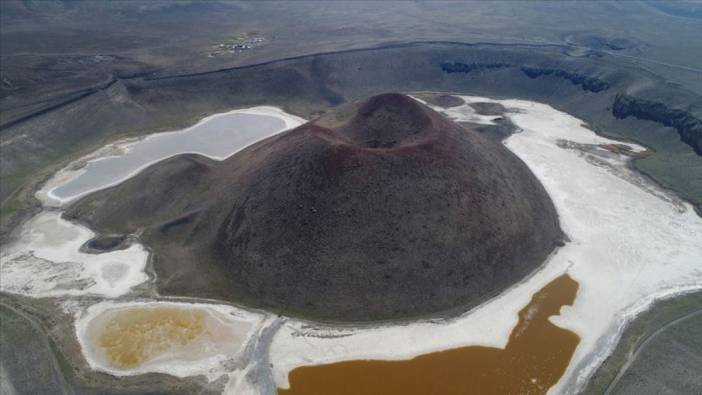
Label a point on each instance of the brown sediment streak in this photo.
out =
(534, 359)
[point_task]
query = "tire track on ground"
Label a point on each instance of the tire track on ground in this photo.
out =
(640, 347)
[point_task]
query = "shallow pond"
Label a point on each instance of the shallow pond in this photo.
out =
(162, 336)
(216, 137)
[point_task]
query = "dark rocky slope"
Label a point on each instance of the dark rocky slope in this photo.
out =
(687, 125)
(590, 84)
(380, 209)
(459, 67)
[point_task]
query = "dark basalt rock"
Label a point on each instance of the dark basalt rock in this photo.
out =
(105, 243)
(380, 209)
(590, 84)
(458, 67)
(440, 99)
(488, 108)
(688, 126)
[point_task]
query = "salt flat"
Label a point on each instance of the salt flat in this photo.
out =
(46, 261)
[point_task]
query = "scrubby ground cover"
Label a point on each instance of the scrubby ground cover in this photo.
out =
(658, 353)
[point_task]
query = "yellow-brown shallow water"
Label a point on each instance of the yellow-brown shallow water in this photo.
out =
(535, 357)
(134, 336)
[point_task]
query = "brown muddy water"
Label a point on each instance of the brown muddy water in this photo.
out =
(534, 359)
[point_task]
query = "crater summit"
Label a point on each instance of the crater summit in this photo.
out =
(379, 209)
